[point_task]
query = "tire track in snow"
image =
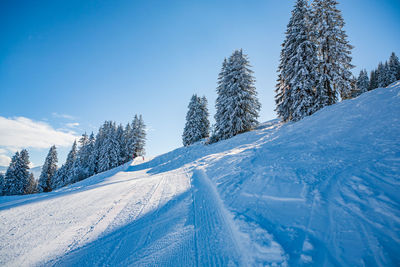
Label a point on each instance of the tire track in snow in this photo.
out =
(88, 230)
(216, 237)
(157, 235)
(222, 240)
(81, 235)
(105, 220)
(168, 231)
(151, 195)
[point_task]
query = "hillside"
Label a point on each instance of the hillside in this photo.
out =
(322, 191)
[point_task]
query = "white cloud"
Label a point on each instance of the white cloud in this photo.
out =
(72, 124)
(4, 160)
(21, 132)
(63, 116)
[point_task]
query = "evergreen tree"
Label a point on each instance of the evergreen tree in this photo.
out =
(362, 84)
(381, 75)
(10, 177)
(190, 122)
(114, 146)
(197, 124)
(220, 105)
(390, 74)
(282, 107)
(119, 135)
(32, 185)
(373, 81)
(84, 164)
(139, 136)
(100, 137)
(59, 178)
(22, 171)
(82, 159)
(2, 184)
(129, 141)
(109, 149)
(394, 65)
(17, 175)
(353, 91)
(69, 165)
(99, 144)
(48, 171)
(66, 174)
(204, 114)
(334, 52)
(92, 160)
(295, 97)
(237, 104)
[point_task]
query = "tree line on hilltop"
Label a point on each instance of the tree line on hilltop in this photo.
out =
(111, 147)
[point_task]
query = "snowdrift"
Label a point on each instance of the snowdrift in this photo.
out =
(322, 191)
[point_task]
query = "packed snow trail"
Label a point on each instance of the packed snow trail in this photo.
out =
(123, 217)
(324, 191)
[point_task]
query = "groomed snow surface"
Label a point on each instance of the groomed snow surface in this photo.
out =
(324, 191)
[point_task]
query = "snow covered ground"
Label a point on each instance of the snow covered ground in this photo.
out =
(323, 191)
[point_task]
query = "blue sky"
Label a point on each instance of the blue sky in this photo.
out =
(66, 66)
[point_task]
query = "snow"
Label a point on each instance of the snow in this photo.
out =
(322, 191)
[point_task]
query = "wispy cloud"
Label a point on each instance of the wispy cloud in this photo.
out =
(21, 132)
(63, 116)
(72, 124)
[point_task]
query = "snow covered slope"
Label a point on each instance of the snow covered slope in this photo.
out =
(322, 191)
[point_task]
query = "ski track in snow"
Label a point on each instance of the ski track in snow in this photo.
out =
(282, 195)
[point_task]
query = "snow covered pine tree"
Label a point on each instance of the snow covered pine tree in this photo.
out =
(237, 104)
(197, 124)
(373, 80)
(48, 171)
(17, 175)
(32, 185)
(361, 84)
(205, 123)
(138, 136)
(334, 52)
(119, 135)
(81, 164)
(9, 179)
(108, 147)
(394, 65)
(65, 175)
(2, 184)
(295, 96)
(382, 75)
